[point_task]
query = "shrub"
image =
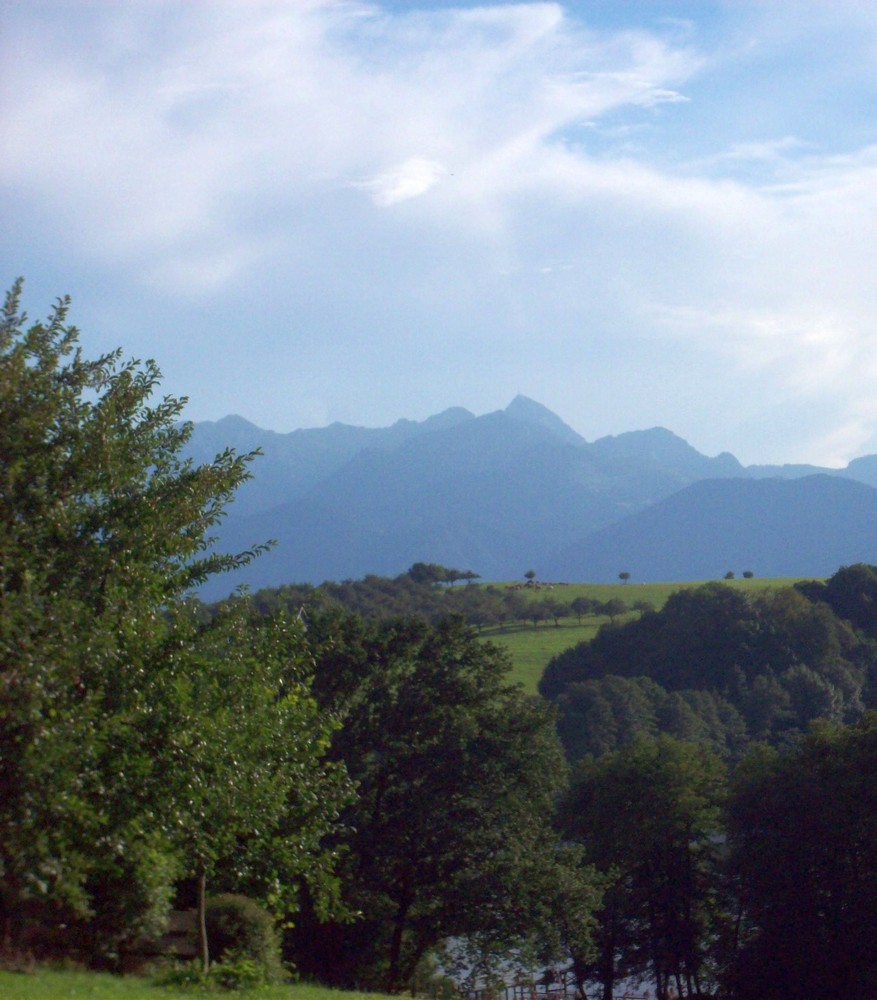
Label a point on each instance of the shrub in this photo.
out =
(243, 938)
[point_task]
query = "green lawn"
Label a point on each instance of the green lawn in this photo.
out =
(532, 647)
(51, 985)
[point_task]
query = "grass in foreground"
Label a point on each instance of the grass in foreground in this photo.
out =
(46, 984)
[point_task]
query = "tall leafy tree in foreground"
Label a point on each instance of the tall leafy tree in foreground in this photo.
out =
(458, 773)
(126, 753)
(803, 837)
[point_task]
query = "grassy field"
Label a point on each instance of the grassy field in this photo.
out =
(51, 985)
(532, 647)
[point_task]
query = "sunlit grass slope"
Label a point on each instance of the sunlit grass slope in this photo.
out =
(532, 647)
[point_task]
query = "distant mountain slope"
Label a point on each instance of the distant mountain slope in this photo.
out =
(774, 527)
(293, 463)
(498, 493)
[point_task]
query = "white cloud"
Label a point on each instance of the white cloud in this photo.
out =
(410, 179)
(273, 100)
(199, 146)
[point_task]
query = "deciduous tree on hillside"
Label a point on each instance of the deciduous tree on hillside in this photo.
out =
(649, 817)
(803, 836)
(120, 711)
(458, 773)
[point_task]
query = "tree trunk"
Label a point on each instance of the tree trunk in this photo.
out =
(396, 947)
(203, 949)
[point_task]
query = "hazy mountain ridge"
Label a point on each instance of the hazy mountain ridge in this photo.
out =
(775, 527)
(518, 488)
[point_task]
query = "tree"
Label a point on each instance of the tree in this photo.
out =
(119, 731)
(624, 576)
(582, 606)
(613, 608)
(451, 834)
(649, 817)
(422, 572)
(537, 612)
(530, 575)
(803, 836)
(557, 610)
(852, 594)
(248, 793)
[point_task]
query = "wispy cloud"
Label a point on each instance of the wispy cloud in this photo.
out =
(412, 178)
(509, 174)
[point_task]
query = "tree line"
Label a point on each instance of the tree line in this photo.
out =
(428, 590)
(690, 800)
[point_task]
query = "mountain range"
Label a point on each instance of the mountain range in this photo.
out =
(519, 489)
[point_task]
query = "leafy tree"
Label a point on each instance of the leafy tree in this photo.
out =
(582, 606)
(118, 736)
(624, 576)
(852, 594)
(245, 787)
(649, 817)
(457, 772)
(614, 607)
(530, 575)
(422, 572)
(557, 610)
(537, 612)
(803, 836)
(599, 716)
(605, 714)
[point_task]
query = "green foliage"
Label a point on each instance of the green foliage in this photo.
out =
(607, 713)
(241, 932)
(730, 665)
(130, 893)
(137, 739)
(649, 818)
(803, 836)
(457, 774)
(501, 612)
(236, 973)
(852, 594)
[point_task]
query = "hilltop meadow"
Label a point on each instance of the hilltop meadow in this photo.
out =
(531, 647)
(533, 622)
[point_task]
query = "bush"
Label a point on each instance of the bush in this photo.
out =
(232, 973)
(243, 939)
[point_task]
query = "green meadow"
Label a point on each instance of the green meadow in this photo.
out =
(46, 984)
(531, 647)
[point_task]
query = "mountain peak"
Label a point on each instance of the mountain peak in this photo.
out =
(528, 411)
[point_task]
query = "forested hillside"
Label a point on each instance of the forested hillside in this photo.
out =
(723, 667)
(362, 794)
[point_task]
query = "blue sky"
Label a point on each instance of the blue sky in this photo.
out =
(637, 213)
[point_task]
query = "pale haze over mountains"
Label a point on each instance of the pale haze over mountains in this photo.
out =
(642, 213)
(518, 489)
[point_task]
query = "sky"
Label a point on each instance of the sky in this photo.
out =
(637, 213)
